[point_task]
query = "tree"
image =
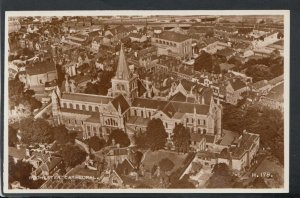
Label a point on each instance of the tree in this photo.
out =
(156, 136)
(20, 171)
(35, 131)
(15, 90)
(73, 155)
(203, 62)
(222, 177)
(166, 164)
(61, 134)
(12, 136)
(90, 88)
(181, 138)
(182, 183)
(96, 143)
(120, 138)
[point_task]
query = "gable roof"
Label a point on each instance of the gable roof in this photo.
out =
(180, 97)
(86, 98)
(173, 36)
(237, 84)
(183, 107)
(40, 68)
(120, 101)
(148, 103)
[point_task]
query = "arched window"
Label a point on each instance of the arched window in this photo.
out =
(71, 106)
(199, 130)
(90, 108)
(77, 106)
(204, 131)
(97, 109)
(65, 105)
(203, 122)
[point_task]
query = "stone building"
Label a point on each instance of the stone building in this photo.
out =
(123, 109)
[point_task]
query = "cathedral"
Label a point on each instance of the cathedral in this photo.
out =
(123, 109)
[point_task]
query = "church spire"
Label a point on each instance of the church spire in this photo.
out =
(122, 70)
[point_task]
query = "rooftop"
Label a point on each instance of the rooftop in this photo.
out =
(173, 36)
(41, 68)
(87, 98)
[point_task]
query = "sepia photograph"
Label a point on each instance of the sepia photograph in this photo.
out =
(146, 101)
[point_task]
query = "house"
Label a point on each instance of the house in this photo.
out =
(261, 87)
(225, 53)
(198, 142)
(242, 156)
(173, 44)
(137, 37)
(274, 98)
(212, 45)
(48, 167)
(40, 73)
(124, 176)
(234, 89)
(95, 45)
(117, 33)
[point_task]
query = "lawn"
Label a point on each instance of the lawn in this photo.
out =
(152, 158)
(272, 166)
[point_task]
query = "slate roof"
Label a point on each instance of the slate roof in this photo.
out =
(40, 68)
(120, 100)
(245, 144)
(225, 52)
(173, 36)
(178, 97)
(183, 107)
(87, 98)
(148, 103)
(237, 84)
(137, 120)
